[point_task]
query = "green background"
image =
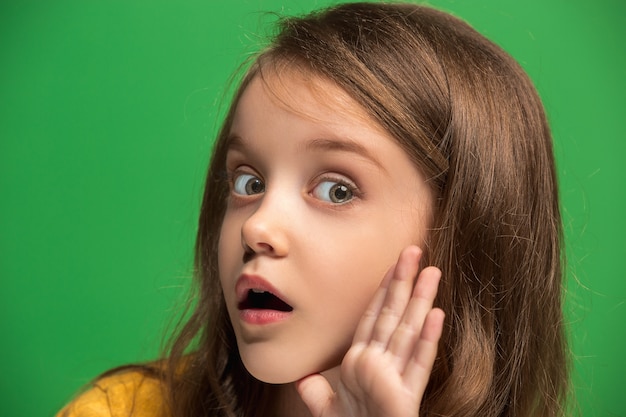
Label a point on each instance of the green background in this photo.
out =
(107, 112)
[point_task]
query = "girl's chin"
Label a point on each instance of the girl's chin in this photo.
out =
(280, 374)
(275, 377)
(266, 365)
(284, 376)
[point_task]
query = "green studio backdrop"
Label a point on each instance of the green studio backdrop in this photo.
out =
(107, 114)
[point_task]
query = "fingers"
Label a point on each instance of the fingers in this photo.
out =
(368, 320)
(397, 296)
(406, 334)
(396, 316)
(394, 348)
(316, 393)
(420, 365)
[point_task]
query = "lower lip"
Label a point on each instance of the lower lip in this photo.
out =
(261, 317)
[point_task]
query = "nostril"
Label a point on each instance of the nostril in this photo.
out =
(248, 254)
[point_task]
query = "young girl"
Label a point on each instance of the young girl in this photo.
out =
(366, 143)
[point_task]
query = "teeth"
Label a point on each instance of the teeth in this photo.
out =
(257, 291)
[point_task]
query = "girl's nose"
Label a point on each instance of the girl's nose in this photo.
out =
(265, 232)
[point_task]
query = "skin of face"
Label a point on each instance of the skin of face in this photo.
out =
(322, 202)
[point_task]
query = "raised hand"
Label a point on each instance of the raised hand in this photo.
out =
(386, 370)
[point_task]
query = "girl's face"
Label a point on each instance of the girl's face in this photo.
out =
(322, 202)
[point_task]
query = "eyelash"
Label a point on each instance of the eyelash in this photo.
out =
(234, 175)
(350, 186)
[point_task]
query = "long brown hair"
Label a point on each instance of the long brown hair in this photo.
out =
(471, 121)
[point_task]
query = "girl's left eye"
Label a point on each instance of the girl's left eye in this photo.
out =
(335, 192)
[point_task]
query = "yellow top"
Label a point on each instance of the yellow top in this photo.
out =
(121, 395)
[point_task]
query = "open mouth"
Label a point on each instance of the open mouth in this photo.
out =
(263, 300)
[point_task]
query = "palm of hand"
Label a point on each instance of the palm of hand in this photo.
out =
(385, 372)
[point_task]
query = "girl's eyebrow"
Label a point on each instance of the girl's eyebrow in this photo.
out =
(235, 141)
(238, 143)
(343, 145)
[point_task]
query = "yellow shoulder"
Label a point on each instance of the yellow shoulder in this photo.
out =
(126, 394)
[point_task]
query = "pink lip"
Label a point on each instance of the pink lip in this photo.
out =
(244, 284)
(253, 282)
(263, 317)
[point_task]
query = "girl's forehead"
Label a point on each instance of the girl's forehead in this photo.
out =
(299, 91)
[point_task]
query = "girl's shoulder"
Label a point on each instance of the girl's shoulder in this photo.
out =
(132, 391)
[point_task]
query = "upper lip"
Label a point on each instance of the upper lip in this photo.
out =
(246, 282)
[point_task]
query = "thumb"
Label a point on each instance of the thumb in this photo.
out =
(316, 393)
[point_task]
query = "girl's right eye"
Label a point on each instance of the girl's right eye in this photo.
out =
(248, 184)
